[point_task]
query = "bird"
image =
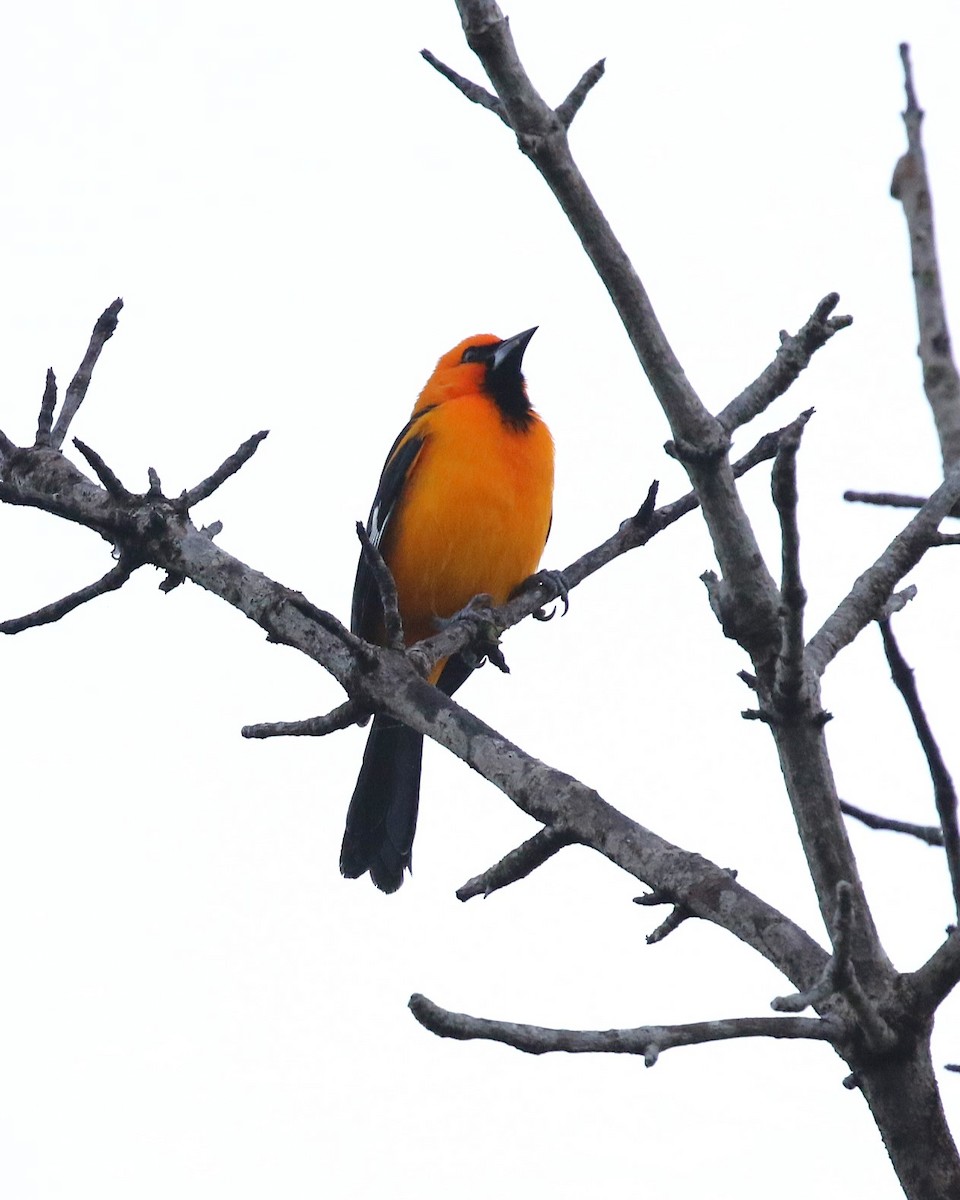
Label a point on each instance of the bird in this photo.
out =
(463, 508)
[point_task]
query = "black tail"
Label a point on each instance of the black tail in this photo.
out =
(382, 817)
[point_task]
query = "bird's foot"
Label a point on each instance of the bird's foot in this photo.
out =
(485, 633)
(557, 588)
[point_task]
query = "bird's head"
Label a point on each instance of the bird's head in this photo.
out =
(482, 363)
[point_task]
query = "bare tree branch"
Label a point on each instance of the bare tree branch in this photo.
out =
(838, 972)
(840, 977)
(944, 792)
(47, 406)
(573, 103)
(931, 834)
(886, 499)
(790, 665)
(649, 1041)
(104, 473)
(342, 717)
(745, 597)
(115, 578)
(383, 680)
(794, 355)
(364, 652)
(675, 918)
(102, 332)
(867, 596)
(672, 921)
(542, 137)
(926, 988)
(473, 91)
(228, 467)
(518, 864)
(911, 187)
(699, 440)
(898, 601)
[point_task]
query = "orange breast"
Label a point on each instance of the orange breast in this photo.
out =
(475, 512)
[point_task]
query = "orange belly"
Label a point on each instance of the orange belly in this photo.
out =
(475, 512)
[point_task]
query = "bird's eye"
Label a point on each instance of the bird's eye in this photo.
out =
(471, 354)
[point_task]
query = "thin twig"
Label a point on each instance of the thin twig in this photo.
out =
(569, 108)
(869, 593)
(104, 473)
(517, 864)
(794, 354)
(47, 406)
(944, 792)
(473, 91)
(931, 834)
(102, 332)
(898, 601)
(911, 187)
(672, 921)
(677, 915)
(115, 578)
(886, 499)
(653, 899)
(793, 595)
(229, 467)
(649, 1041)
(342, 717)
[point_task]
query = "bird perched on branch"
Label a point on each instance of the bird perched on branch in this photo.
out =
(463, 508)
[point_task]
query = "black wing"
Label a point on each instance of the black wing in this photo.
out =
(366, 614)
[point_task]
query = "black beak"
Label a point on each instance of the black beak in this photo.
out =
(509, 354)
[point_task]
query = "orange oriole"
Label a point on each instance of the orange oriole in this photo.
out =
(463, 507)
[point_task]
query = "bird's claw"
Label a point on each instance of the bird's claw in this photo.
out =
(554, 580)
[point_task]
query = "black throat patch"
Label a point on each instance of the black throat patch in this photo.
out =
(507, 391)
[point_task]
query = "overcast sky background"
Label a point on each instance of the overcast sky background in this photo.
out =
(301, 217)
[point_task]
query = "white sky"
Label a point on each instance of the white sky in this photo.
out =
(301, 216)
